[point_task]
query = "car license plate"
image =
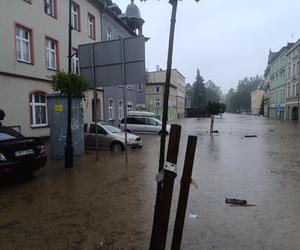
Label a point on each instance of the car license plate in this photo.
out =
(24, 152)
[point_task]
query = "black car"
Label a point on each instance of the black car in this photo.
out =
(19, 154)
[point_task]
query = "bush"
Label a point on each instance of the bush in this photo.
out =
(69, 83)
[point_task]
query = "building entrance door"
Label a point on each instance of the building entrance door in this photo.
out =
(295, 113)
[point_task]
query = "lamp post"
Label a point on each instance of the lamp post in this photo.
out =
(69, 146)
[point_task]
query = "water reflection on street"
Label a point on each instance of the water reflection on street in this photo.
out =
(109, 205)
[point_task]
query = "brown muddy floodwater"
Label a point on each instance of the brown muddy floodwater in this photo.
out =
(108, 205)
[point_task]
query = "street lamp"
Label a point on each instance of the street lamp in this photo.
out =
(69, 146)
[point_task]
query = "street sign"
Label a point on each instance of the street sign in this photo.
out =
(106, 57)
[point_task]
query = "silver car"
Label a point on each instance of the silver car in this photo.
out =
(109, 137)
(142, 124)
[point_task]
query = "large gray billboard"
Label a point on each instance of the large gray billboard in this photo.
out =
(104, 61)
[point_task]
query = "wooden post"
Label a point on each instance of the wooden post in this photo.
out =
(184, 192)
(168, 184)
(212, 124)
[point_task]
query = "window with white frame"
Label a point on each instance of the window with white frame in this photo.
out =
(157, 89)
(157, 103)
(38, 110)
(109, 33)
(50, 7)
(111, 109)
(51, 54)
(140, 87)
(129, 106)
(75, 61)
(120, 110)
(23, 44)
(75, 16)
(91, 26)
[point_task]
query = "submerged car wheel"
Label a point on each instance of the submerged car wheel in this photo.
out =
(117, 146)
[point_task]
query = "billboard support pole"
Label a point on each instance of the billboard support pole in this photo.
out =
(95, 98)
(124, 97)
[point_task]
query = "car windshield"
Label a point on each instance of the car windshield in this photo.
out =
(158, 121)
(111, 128)
(5, 136)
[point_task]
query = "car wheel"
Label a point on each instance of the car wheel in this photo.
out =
(117, 146)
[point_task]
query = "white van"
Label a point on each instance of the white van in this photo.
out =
(143, 122)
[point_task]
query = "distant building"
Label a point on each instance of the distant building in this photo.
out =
(293, 81)
(155, 89)
(256, 99)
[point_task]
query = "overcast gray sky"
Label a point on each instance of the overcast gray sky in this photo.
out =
(226, 39)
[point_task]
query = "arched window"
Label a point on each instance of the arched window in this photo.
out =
(120, 110)
(110, 109)
(39, 116)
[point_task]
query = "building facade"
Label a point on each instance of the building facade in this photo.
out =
(278, 84)
(292, 82)
(34, 45)
(256, 99)
(115, 27)
(155, 90)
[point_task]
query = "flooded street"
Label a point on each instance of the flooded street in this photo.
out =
(108, 205)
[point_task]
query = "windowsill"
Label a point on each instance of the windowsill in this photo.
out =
(76, 29)
(52, 69)
(39, 126)
(29, 2)
(21, 61)
(55, 16)
(94, 38)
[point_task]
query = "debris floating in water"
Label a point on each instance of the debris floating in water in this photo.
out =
(249, 136)
(194, 216)
(235, 201)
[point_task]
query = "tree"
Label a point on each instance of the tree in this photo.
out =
(199, 92)
(188, 90)
(222, 108)
(213, 92)
(213, 108)
(241, 98)
(69, 83)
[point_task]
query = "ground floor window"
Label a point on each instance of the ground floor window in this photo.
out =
(129, 107)
(111, 109)
(38, 106)
(120, 110)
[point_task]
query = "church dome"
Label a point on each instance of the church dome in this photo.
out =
(133, 11)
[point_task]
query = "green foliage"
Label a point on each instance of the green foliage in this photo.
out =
(69, 83)
(239, 99)
(213, 92)
(213, 108)
(199, 92)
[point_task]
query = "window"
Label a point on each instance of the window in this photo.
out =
(129, 86)
(51, 54)
(120, 110)
(91, 26)
(129, 106)
(75, 61)
(24, 44)
(110, 109)
(108, 34)
(157, 89)
(50, 7)
(75, 16)
(157, 103)
(38, 110)
(140, 87)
